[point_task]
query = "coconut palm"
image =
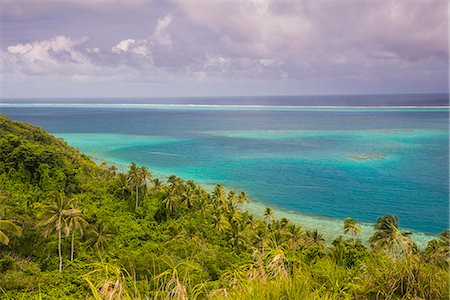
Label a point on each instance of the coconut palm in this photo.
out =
(268, 214)
(232, 197)
(218, 195)
(438, 251)
(388, 237)
(173, 181)
(242, 198)
(314, 237)
(56, 219)
(136, 177)
(99, 236)
(351, 226)
(189, 193)
(122, 181)
(8, 226)
(170, 202)
(157, 184)
(76, 224)
(220, 223)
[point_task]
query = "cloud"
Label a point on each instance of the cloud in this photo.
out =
(138, 47)
(160, 35)
(346, 42)
(58, 54)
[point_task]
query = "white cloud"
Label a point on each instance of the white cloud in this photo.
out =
(160, 34)
(20, 48)
(123, 46)
(53, 55)
(137, 47)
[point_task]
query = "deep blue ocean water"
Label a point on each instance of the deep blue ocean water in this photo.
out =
(360, 163)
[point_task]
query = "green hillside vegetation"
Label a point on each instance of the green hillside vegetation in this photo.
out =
(72, 229)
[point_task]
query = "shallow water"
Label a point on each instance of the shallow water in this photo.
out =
(333, 163)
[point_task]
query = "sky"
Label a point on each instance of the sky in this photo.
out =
(156, 48)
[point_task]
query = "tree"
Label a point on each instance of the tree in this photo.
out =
(218, 195)
(388, 237)
(189, 193)
(122, 181)
(157, 184)
(438, 251)
(9, 226)
(351, 226)
(314, 237)
(99, 236)
(55, 215)
(268, 214)
(242, 198)
(136, 177)
(170, 202)
(76, 224)
(220, 223)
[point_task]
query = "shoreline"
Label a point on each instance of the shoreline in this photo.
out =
(329, 227)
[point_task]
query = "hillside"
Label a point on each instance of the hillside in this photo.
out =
(71, 229)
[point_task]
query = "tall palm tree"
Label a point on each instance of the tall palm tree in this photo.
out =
(170, 202)
(173, 181)
(268, 214)
(189, 193)
(55, 219)
(351, 226)
(388, 237)
(218, 195)
(122, 181)
(157, 184)
(242, 198)
(76, 224)
(9, 226)
(136, 177)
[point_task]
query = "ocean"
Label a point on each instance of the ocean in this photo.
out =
(313, 163)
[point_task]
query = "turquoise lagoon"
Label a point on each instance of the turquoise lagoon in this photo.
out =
(315, 166)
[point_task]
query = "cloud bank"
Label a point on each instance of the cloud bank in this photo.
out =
(223, 47)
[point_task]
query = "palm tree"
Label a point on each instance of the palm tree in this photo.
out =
(136, 177)
(99, 236)
(351, 226)
(8, 225)
(268, 214)
(387, 236)
(242, 198)
(314, 237)
(122, 181)
(76, 223)
(173, 181)
(218, 195)
(220, 223)
(189, 193)
(170, 202)
(55, 215)
(157, 184)
(232, 197)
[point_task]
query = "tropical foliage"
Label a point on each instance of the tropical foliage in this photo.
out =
(76, 230)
